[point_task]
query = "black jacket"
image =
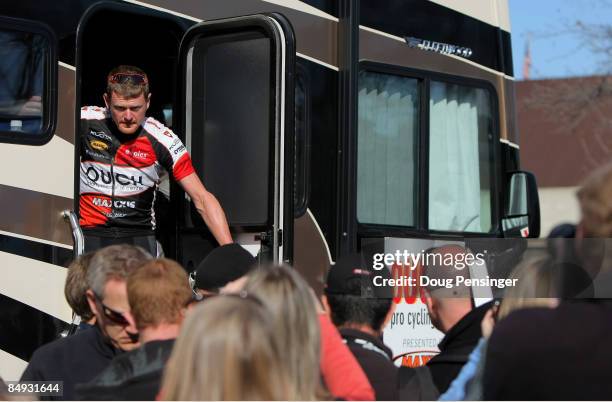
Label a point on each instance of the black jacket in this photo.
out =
(455, 349)
(456, 346)
(551, 354)
(134, 376)
(75, 359)
(376, 360)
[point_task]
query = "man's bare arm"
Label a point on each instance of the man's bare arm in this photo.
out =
(209, 208)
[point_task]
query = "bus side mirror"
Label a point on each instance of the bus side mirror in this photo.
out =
(522, 209)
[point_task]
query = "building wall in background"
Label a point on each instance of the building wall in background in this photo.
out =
(565, 128)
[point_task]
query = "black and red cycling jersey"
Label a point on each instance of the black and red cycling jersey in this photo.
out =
(120, 173)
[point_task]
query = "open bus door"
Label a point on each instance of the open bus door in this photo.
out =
(236, 112)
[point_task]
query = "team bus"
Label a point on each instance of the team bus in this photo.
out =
(324, 127)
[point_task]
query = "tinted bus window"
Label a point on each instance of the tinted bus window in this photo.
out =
(388, 126)
(22, 59)
(460, 158)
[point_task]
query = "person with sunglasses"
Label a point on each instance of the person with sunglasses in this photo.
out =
(81, 357)
(159, 296)
(124, 156)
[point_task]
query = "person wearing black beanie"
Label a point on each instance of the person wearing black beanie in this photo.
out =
(223, 268)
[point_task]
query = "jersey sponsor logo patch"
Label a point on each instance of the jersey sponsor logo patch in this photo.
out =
(177, 147)
(137, 154)
(100, 134)
(175, 143)
(124, 181)
(95, 154)
(99, 145)
(105, 202)
(116, 215)
(103, 177)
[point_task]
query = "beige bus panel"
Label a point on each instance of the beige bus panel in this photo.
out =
(316, 35)
(35, 283)
(493, 12)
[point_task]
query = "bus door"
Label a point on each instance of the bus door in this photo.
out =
(236, 112)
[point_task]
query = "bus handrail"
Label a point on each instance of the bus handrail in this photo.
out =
(77, 232)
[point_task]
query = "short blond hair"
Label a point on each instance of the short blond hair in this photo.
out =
(158, 292)
(127, 89)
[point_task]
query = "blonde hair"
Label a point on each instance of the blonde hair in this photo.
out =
(535, 287)
(291, 301)
(128, 89)
(227, 350)
(595, 197)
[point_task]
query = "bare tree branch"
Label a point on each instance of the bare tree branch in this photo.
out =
(573, 104)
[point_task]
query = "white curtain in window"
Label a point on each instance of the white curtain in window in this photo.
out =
(454, 178)
(387, 127)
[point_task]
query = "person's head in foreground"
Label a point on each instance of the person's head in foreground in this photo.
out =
(535, 287)
(223, 270)
(353, 301)
(559, 368)
(292, 304)
(594, 232)
(595, 197)
(127, 97)
(158, 294)
(107, 294)
(76, 287)
(446, 305)
(227, 350)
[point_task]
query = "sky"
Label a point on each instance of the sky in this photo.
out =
(555, 51)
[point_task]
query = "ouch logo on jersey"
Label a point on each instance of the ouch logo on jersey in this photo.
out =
(99, 145)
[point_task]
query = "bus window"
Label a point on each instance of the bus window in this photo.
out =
(388, 126)
(25, 116)
(460, 158)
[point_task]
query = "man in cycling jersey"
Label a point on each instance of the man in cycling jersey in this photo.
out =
(124, 155)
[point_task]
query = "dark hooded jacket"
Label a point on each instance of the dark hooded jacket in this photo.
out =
(456, 346)
(75, 359)
(376, 360)
(134, 376)
(455, 349)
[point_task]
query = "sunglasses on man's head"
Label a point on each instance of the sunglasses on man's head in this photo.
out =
(112, 315)
(133, 78)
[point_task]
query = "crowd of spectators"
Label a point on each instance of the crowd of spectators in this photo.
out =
(238, 330)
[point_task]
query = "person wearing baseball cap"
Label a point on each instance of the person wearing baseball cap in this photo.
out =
(361, 310)
(223, 270)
